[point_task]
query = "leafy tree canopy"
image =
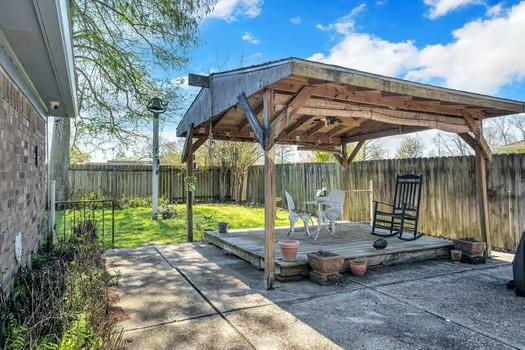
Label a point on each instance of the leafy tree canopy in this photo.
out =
(411, 147)
(120, 48)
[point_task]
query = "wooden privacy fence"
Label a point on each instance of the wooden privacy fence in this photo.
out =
(449, 200)
(118, 181)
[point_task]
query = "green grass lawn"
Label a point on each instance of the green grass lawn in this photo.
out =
(134, 226)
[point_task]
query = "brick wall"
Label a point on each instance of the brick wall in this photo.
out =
(22, 177)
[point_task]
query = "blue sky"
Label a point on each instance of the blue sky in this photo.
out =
(474, 45)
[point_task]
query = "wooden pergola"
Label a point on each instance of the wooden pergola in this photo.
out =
(322, 107)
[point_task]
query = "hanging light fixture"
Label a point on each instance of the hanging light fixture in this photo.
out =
(156, 106)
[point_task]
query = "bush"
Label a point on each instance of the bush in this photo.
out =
(62, 301)
(140, 202)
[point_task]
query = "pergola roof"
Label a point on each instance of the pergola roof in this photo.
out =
(364, 105)
(323, 107)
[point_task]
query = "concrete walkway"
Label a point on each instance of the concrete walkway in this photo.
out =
(193, 296)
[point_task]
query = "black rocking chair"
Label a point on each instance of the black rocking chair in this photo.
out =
(403, 215)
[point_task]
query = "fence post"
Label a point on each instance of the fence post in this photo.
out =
(113, 224)
(371, 192)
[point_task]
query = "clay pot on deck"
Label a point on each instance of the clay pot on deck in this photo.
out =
(358, 268)
(325, 262)
(289, 249)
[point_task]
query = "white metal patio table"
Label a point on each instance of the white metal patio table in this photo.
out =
(321, 219)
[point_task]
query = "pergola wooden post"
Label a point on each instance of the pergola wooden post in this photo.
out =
(269, 193)
(482, 155)
(321, 107)
(189, 193)
(187, 156)
(344, 162)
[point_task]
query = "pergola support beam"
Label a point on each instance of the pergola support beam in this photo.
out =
(476, 128)
(483, 155)
(269, 195)
(189, 173)
(258, 131)
(481, 176)
(345, 160)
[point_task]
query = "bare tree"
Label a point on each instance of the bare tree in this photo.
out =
(372, 150)
(518, 121)
(450, 145)
(231, 157)
(499, 131)
(284, 153)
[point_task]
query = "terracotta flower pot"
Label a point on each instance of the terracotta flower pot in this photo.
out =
(325, 262)
(289, 249)
(358, 268)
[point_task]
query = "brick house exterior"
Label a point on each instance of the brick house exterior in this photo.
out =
(22, 177)
(37, 81)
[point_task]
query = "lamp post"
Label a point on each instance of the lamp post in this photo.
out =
(157, 107)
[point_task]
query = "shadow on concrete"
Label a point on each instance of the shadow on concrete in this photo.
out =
(430, 305)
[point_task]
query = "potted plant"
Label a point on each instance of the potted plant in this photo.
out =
(358, 267)
(324, 262)
(289, 249)
(223, 227)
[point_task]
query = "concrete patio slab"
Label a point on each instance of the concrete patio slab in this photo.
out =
(210, 332)
(366, 319)
(383, 275)
(230, 283)
(194, 296)
(272, 327)
(477, 299)
(152, 292)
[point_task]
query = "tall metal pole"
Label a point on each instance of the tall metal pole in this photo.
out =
(155, 170)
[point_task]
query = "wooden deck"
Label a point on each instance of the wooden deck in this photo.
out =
(352, 241)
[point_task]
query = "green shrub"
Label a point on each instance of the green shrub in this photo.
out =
(62, 301)
(138, 202)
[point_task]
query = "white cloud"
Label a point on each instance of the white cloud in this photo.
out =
(229, 10)
(439, 8)
(345, 24)
(371, 54)
(495, 10)
(483, 56)
(250, 38)
(296, 20)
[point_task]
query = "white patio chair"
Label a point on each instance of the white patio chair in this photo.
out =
(334, 202)
(295, 216)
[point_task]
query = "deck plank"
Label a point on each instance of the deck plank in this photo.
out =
(351, 241)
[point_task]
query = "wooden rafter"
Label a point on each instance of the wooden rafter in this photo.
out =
(347, 94)
(319, 148)
(282, 119)
(344, 77)
(383, 133)
(297, 124)
(431, 121)
(313, 129)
